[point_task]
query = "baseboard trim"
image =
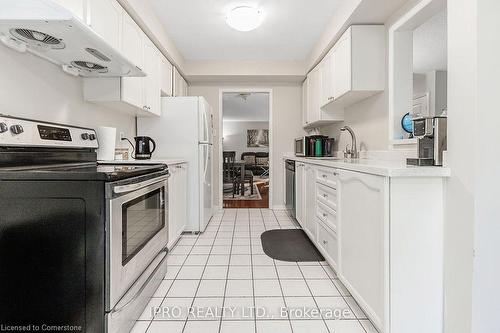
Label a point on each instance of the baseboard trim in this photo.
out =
(279, 207)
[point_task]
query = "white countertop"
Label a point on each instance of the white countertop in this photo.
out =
(167, 161)
(376, 167)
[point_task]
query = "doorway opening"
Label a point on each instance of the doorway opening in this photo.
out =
(246, 149)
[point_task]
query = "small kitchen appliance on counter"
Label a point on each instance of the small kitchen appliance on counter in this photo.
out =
(75, 248)
(431, 140)
(143, 150)
(314, 146)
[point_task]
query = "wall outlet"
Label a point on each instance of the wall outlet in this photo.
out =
(122, 136)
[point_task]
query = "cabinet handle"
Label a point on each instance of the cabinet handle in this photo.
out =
(325, 195)
(335, 173)
(324, 176)
(325, 242)
(330, 98)
(325, 214)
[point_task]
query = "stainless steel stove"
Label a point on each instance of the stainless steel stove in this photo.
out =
(81, 244)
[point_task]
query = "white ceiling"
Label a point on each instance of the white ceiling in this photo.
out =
(254, 108)
(430, 44)
(288, 32)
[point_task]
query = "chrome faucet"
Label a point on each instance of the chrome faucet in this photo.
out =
(353, 152)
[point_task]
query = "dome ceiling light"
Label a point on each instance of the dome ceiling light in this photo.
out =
(244, 18)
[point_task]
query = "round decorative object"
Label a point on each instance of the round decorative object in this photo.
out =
(407, 123)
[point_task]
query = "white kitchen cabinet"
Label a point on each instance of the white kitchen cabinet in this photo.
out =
(177, 215)
(309, 213)
(151, 88)
(136, 95)
(76, 7)
(132, 47)
(328, 244)
(299, 193)
(315, 115)
(389, 258)
(326, 68)
(104, 17)
(305, 98)
(364, 231)
(358, 64)
(180, 85)
(166, 77)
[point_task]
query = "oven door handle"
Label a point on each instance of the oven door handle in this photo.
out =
(144, 285)
(133, 187)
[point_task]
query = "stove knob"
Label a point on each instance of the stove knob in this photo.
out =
(3, 127)
(92, 137)
(16, 129)
(85, 136)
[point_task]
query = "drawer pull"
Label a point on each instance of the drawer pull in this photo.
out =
(325, 214)
(325, 242)
(325, 195)
(324, 176)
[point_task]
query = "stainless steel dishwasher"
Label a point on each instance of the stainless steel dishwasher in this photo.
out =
(290, 187)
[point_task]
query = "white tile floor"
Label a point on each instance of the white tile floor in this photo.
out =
(225, 268)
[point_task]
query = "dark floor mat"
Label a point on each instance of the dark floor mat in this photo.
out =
(289, 245)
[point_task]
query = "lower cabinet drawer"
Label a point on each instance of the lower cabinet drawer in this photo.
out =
(327, 196)
(326, 215)
(327, 177)
(328, 244)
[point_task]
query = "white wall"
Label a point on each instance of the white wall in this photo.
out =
(31, 87)
(287, 125)
(459, 224)
(486, 290)
(235, 136)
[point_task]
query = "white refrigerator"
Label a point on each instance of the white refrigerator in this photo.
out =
(185, 130)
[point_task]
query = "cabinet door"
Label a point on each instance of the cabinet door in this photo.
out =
(363, 227)
(299, 193)
(310, 201)
(151, 81)
(314, 92)
(182, 203)
(326, 67)
(165, 76)
(172, 204)
(341, 62)
(76, 7)
(304, 102)
(104, 17)
(132, 47)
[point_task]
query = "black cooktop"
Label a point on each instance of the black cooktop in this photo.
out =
(79, 171)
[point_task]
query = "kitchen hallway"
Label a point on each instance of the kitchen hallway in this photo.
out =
(225, 268)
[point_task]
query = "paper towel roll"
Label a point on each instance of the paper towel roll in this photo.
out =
(107, 143)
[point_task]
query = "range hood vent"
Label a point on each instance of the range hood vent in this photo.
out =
(48, 30)
(37, 38)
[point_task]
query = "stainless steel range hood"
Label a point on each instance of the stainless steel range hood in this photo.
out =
(48, 30)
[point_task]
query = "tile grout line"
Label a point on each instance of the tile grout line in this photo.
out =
(227, 273)
(281, 287)
(203, 272)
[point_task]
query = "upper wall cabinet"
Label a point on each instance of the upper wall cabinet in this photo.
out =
(105, 17)
(353, 70)
(358, 64)
(313, 114)
(136, 95)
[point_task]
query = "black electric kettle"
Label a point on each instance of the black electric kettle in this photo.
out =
(142, 149)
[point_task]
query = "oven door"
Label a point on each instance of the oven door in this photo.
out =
(138, 232)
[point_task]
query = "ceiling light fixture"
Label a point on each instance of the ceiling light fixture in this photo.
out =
(244, 18)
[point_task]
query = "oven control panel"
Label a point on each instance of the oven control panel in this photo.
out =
(32, 133)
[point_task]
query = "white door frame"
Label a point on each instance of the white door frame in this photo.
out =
(220, 133)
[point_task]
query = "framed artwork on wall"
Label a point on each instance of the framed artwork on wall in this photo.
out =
(258, 138)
